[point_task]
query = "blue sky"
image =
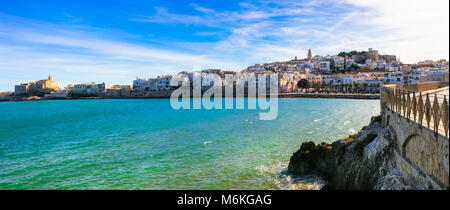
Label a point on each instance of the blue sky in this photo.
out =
(116, 41)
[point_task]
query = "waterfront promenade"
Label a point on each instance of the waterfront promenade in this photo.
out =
(417, 117)
(441, 96)
(332, 95)
(425, 104)
(167, 95)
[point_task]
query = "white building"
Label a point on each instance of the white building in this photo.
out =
(349, 63)
(334, 79)
(338, 61)
(139, 85)
(391, 68)
(90, 89)
(371, 64)
(413, 77)
(161, 83)
(347, 79)
(324, 66)
(394, 78)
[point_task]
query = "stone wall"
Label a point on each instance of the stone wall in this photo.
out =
(426, 86)
(154, 94)
(420, 87)
(422, 155)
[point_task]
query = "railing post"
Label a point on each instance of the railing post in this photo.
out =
(402, 110)
(436, 112)
(414, 108)
(399, 101)
(408, 105)
(444, 115)
(396, 100)
(390, 99)
(417, 107)
(428, 110)
(404, 102)
(420, 108)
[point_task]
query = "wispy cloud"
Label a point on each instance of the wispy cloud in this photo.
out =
(202, 9)
(263, 31)
(164, 16)
(249, 13)
(31, 49)
(254, 31)
(416, 30)
(413, 29)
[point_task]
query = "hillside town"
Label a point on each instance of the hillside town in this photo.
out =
(357, 72)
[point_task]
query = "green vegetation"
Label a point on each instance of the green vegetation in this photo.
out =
(337, 69)
(359, 147)
(303, 83)
(366, 87)
(349, 54)
(375, 119)
(354, 66)
(356, 87)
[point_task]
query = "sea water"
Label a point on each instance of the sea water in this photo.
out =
(145, 144)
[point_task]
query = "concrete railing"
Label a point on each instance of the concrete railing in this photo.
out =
(417, 116)
(423, 103)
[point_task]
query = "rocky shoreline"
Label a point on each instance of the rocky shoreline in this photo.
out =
(360, 162)
(36, 98)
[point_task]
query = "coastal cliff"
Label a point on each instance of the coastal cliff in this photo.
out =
(360, 162)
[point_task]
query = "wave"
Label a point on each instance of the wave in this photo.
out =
(278, 177)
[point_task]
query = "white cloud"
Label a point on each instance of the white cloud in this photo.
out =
(202, 9)
(415, 30)
(34, 50)
(258, 32)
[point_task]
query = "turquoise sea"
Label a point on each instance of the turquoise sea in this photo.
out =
(145, 144)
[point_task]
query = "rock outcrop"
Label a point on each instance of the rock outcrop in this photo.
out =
(360, 162)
